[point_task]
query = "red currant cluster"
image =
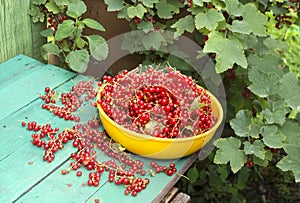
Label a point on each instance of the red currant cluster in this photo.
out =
(231, 74)
(71, 101)
(158, 101)
(249, 163)
(137, 21)
(49, 96)
(150, 103)
(55, 20)
(159, 168)
(88, 139)
(45, 136)
(246, 93)
(190, 3)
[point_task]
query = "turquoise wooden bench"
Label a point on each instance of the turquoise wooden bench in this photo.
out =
(24, 176)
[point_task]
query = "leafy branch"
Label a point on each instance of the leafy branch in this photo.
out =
(64, 33)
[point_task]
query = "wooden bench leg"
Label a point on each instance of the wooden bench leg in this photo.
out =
(174, 196)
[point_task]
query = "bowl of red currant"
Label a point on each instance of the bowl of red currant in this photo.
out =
(158, 112)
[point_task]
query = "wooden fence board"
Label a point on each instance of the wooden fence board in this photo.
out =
(18, 35)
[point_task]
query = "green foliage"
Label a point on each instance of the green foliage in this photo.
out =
(229, 51)
(216, 183)
(64, 33)
(136, 11)
(229, 151)
(291, 162)
(184, 24)
(208, 20)
(165, 10)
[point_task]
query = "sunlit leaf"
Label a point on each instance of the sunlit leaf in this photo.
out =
(229, 151)
(229, 51)
(78, 60)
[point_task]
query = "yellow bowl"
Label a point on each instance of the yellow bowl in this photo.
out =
(160, 148)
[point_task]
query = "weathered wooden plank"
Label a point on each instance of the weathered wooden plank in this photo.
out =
(18, 34)
(181, 198)
(15, 67)
(27, 82)
(70, 188)
(170, 195)
(21, 164)
(13, 136)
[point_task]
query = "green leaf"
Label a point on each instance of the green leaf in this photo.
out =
(93, 24)
(193, 174)
(269, 63)
(233, 7)
(164, 10)
(229, 51)
(98, 47)
(50, 48)
(149, 3)
(241, 124)
(184, 24)
(52, 7)
(257, 149)
(263, 84)
(61, 2)
(36, 14)
(39, 2)
(239, 27)
(243, 177)
(291, 162)
(291, 130)
(180, 64)
(277, 113)
(263, 162)
(80, 43)
(208, 20)
(255, 19)
(223, 171)
(122, 14)
(253, 22)
(198, 2)
(114, 5)
(130, 42)
(290, 90)
(272, 137)
(274, 44)
(47, 32)
(146, 26)
(255, 129)
(77, 7)
(136, 11)
(177, 6)
(229, 151)
(153, 40)
(65, 46)
(150, 126)
(78, 60)
(65, 30)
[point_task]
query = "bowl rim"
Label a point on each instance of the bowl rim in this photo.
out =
(166, 140)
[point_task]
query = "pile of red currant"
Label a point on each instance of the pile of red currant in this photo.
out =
(157, 101)
(89, 140)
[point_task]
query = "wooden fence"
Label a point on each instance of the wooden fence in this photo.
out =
(18, 35)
